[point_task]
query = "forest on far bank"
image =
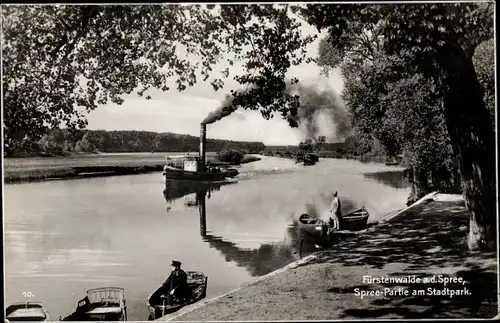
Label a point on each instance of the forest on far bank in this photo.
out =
(61, 142)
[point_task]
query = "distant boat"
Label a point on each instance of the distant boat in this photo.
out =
(307, 159)
(101, 304)
(26, 311)
(197, 283)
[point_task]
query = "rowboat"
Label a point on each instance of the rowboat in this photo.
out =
(312, 228)
(355, 221)
(26, 311)
(181, 174)
(157, 301)
(101, 304)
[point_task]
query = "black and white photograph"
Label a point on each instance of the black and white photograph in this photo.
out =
(249, 161)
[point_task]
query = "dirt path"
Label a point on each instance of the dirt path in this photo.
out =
(427, 240)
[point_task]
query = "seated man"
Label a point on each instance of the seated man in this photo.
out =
(176, 284)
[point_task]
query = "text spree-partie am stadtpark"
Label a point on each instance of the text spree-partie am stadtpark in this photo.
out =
(415, 286)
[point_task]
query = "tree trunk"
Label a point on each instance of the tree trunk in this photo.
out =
(419, 188)
(473, 142)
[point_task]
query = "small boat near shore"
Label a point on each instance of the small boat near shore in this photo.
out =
(26, 311)
(313, 228)
(355, 221)
(157, 301)
(100, 304)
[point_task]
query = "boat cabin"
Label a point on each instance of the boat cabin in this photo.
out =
(184, 162)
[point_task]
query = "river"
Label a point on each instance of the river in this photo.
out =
(64, 237)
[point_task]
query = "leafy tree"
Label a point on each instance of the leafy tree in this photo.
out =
(359, 143)
(81, 56)
(306, 146)
(400, 112)
(318, 142)
(484, 63)
(230, 156)
(437, 41)
(84, 146)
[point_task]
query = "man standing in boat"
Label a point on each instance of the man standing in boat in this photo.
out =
(335, 210)
(176, 283)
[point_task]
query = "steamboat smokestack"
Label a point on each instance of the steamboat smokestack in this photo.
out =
(203, 142)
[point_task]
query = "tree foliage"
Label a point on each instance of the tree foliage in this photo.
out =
(402, 114)
(230, 156)
(484, 63)
(62, 61)
(306, 146)
(434, 43)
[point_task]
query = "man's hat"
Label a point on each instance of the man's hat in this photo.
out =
(176, 263)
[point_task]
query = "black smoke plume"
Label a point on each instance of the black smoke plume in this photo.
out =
(223, 111)
(315, 104)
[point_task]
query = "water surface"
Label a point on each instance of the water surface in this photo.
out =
(64, 237)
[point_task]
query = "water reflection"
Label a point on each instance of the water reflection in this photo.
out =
(81, 234)
(176, 189)
(257, 261)
(395, 178)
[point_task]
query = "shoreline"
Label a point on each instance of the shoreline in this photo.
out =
(31, 170)
(77, 172)
(329, 155)
(300, 284)
(304, 261)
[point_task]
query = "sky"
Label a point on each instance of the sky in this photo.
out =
(182, 112)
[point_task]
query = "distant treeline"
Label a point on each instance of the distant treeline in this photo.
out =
(62, 142)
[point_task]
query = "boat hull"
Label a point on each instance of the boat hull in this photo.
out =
(355, 221)
(26, 311)
(100, 304)
(314, 229)
(180, 174)
(197, 282)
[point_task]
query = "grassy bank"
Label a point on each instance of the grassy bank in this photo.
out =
(90, 165)
(426, 240)
(48, 173)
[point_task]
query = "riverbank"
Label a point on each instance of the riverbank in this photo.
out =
(336, 155)
(424, 240)
(31, 169)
